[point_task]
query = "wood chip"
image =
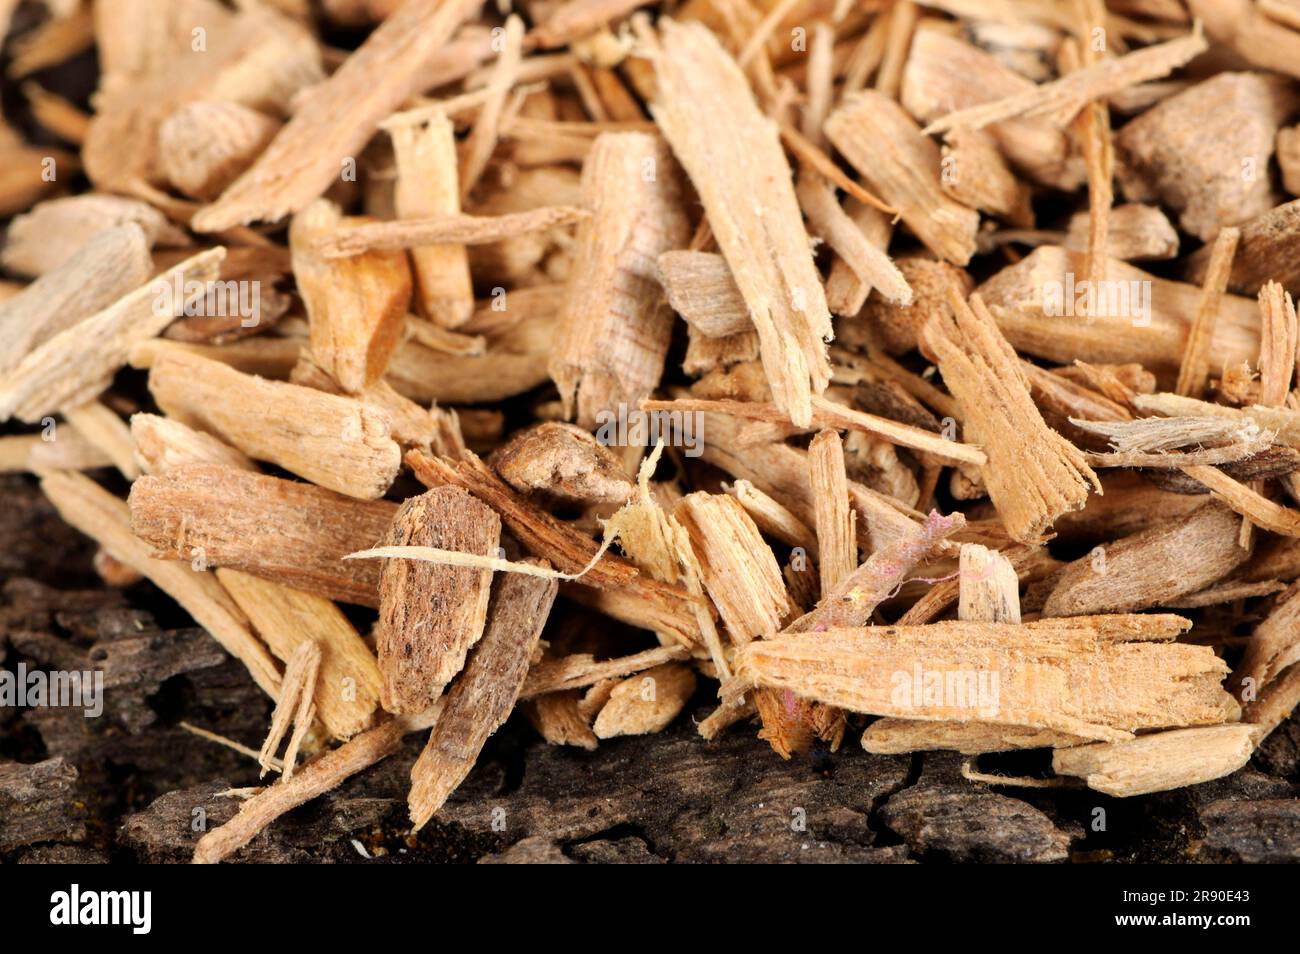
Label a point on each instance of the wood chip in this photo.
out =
(484, 694)
(332, 122)
(616, 328)
(1033, 474)
(292, 533)
(429, 615)
(337, 442)
(708, 114)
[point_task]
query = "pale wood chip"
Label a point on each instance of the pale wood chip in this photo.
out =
(616, 326)
(77, 364)
(1033, 474)
(1158, 762)
(645, 703)
(293, 533)
(333, 120)
(337, 442)
(734, 158)
(888, 149)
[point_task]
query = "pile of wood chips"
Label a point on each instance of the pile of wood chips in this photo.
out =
(934, 449)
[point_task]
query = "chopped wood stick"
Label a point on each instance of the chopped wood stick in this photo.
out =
(293, 707)
(616, 325)
(739, 570)
(744, 581)
(483, 136)
(846, 292)
(827, 219)
(887, 148)
(1261, 511)
(1068, 93)
(1272, 647)
(856, 597)
(1028, 562)
(162, 443)
(891, 736)
(831, 414)
(1226, 592)
(734, 158)
(580, 670)
(428, 185)
(837, 546)
(102, 427)
(334, 120)
(1134, 231)
(264, 355)
(1033, 474)
(1086, 679)
(346, 691)
(974, 172)
(106, 519)
(1195, 370)
(1283, 422)
(658, 544)
(316, 778)
(1158, 762)
(557, 719)
(1274, 705)
(431, 615)
(1155, 434)
(563, 463)
(350, 240)
(815, 159)
(1170, 560)
(78, 363)
(356, 307)
(1242, 112)
(53, 231)
(67, 451)
(903, 17)
(1136, 318)
(99, 273)
(989, 586)
(700, 288)
(483, 696)
(1277, 345)
(293, 533)
(337, 442)
(772, 518)
(411, 425)
(1246, 451)
(645, 703)
(204, 146)
(574, 19)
